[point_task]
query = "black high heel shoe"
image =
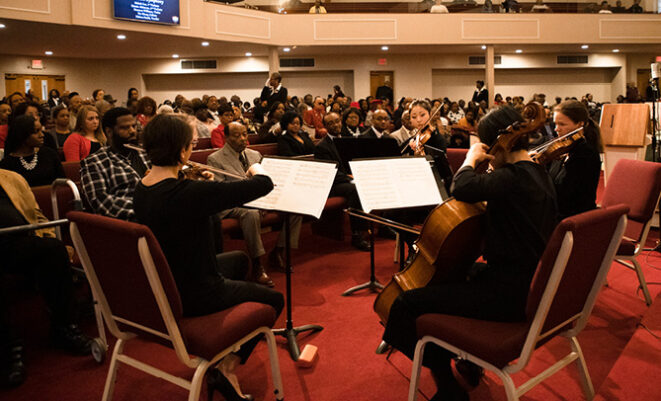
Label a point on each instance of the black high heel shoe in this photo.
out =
(216, 381)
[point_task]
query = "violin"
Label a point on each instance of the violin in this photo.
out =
(555, 149)
(421, 136)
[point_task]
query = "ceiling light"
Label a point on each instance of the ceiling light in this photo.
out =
(616, 50)
(175, 56)
(248, 54)
(205, 44)
(484, 47)
(121, 37)
(384, 48)
(518, 51)
(584, 47)
(3, 26)
(286, 49)
(48, 53)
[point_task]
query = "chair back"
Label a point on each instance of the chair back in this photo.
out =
(571, 272)
(128, 274)
(637, 184)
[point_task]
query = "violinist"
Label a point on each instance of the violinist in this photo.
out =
(179, 213)
(576, 174)
(520, 216)
(428, 134)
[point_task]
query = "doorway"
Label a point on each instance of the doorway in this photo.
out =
(642, 80)
(379, 80)
(40, 85)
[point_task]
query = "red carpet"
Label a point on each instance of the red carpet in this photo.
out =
(348, 368)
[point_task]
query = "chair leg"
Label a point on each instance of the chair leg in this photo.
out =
(196, 384)
(586, 382)
(415, 369)
(275, 365)
(508, 383)
(643, 283)
(112, 371)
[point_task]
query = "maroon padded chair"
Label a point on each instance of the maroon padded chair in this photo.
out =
(637, 184)
(569, 276)
(137, 295)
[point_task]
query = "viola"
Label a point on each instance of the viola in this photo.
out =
(555, 149)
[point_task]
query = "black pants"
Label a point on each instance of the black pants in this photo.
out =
(489, 296)
(230, 290)
(348, 191)
(45, 262)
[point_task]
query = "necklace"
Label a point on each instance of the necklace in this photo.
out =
(31, 165)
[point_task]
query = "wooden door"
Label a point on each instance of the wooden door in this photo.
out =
(642, 80)
(380, 78)
(39, 84)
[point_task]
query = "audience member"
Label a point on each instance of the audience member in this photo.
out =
(146, 110)
(605, 8)
(87, 136)
(33, 109)
(61, 131)
(273, 91)
(439, 8)
(218, 134)
(26, 154)
(293, 142)
(540, 7)
(619, 9)
(98, 94)
(5, 112)
(109, 176)
(54, 98)
(636, 8)
(271, 129)
(317, 8)
(15, 99)
(75, 103)
(379, 128)
(404, 132)
(132, 94)
(455, 114)
(314, 118)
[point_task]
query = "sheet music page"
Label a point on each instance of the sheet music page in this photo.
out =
(301, 186)
(395, 183)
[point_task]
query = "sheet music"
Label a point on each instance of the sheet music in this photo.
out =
(395, 183)
(301, 186)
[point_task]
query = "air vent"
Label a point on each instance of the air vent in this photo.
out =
(296, 62)
(198, 64)
(572, 59)
(481, 60)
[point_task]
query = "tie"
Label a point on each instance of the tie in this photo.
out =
(244, 161)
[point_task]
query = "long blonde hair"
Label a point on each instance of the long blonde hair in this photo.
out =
(80, 123)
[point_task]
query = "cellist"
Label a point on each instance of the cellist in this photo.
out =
(520, 216)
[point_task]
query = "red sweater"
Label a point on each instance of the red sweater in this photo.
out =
(218, 137)
(76, 147)
(4, 128)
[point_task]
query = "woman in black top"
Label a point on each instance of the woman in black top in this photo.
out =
(576, 175)
(520, 217)
(179, 214)
(351, 120)
(420, 112)
(293, 142)
(271, 130)
(26, 154)
(61, 131)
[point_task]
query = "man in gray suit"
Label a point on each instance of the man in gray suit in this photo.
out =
(236, 158)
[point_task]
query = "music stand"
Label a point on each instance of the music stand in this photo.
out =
(364, 148)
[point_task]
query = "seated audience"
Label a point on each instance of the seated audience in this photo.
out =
(33, 109)
(54, 99)
(205, 122)
(87, 137)
(26, 154)
(146, 110)
(317, 8)
(636, 8)
(271, 130)
(293, 142)
(605, 8)
(352, 118)
(110, 175)
(5, 112)
(405, 131)
(439, 8)
(236, 158)
(41, 258)
(540, 7)
(61, 131)
(379, 127)
(455, 114)
(170, 206)
(75, 103)
(314, 118)
(226, 114)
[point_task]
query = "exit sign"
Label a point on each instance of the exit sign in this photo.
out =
(382, 61)
(37, 65)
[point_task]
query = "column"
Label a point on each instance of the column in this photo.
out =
(274, 60)
(489, 73)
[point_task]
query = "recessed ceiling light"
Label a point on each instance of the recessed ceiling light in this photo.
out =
(616, 50)
(384, 48)
(584, 47)
(175, 56)
(286, 49)
(121, 37)
(248, 54)
(3, 26)
(205, 44)
(48, 53)
(484, 47)
(518, 51)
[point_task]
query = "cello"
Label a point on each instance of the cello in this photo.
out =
(451, 236)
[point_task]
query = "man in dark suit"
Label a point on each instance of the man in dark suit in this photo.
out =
(379, 128)
(342, 185)
(481, 93)
(385, 91)
(273, 91)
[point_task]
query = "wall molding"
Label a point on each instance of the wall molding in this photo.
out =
(511, 22)
(243, 35)
(318, 22)
(31, 10)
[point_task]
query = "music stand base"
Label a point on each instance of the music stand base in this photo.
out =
(373, 286)
(291, 333)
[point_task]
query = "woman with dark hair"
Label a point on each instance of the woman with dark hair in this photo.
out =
(87, 137)
(170, 206)
(26, 154)
(420, 112)
(61, 131)
(520, 216)
(293, 141)
(131, 95)
(54, 98)
(271, 129)
(146, 110)
(576, 175)
(33, 109)
(352, 118)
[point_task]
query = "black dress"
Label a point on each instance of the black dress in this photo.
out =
(289, 146)
(520, 217)
(48, 167)
(576, 179)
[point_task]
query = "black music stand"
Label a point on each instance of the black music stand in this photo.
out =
(373, 285)
(290, 332)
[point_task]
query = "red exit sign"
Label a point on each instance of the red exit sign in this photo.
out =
(382, 61)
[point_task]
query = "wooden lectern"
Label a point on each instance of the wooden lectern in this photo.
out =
(623, 131)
